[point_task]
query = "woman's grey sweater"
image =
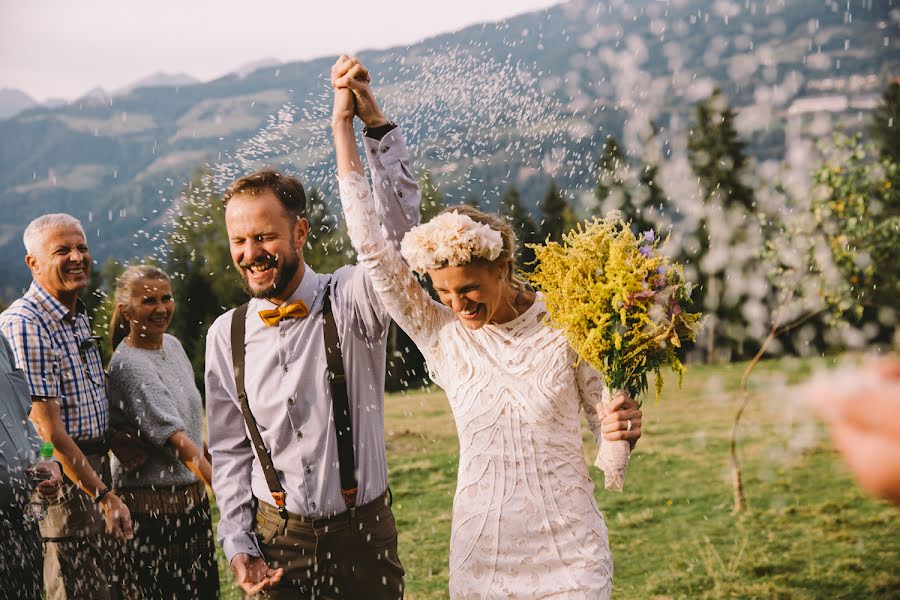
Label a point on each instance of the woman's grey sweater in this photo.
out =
(152, 392)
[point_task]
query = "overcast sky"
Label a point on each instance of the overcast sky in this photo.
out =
(63, 48)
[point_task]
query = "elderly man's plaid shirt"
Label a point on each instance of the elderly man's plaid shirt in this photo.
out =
(60, 360)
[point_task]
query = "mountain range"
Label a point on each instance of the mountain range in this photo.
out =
(508, 103)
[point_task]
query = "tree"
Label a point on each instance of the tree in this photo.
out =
(327, 246)
(885, 129)
(558, 216)
(611, 192)
(204, 281)
(432, 198)
(654, 200)
(857, 213)
(616, 188)
(99, 301)
(836, 259)
(523, 225)
(717, 155)
(725, 236)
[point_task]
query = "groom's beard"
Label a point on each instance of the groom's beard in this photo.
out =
(283, 275)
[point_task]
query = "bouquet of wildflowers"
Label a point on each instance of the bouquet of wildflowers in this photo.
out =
(621, 304)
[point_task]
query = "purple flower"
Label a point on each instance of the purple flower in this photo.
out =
(674, 307)
(649, 236)
(645, 250)
(642, 295)
(662, 270)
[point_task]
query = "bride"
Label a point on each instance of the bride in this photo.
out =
(525, 522)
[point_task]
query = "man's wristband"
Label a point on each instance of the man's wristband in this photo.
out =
(102, 494)
(377, 133)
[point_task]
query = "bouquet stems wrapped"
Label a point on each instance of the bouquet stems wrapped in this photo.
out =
(620, 303)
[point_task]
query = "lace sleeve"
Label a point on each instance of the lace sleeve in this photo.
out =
(405, 300)
(590, 390)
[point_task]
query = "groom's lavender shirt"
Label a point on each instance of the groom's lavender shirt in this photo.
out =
(287, 384)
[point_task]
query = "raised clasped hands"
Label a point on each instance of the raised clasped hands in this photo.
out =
(353, 94)
(254, 574)
(623, 410)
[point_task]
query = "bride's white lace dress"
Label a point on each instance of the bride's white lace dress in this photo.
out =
(525, 523)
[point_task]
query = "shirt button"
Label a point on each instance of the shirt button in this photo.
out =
(308, 470)
(284, 368)
(291, 400)
(385, 149)
(300, 435)
(282, 333)
(312, 505)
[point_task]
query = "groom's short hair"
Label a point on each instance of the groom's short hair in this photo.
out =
(287, 189)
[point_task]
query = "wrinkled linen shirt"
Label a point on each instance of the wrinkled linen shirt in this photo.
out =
(287, 383)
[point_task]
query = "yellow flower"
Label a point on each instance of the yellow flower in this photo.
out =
(675, 341)
(612, 301)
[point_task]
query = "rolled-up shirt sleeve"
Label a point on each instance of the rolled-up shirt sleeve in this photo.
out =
(232, 454)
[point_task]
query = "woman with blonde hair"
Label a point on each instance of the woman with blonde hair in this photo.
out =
(525, 523)
(153, 394)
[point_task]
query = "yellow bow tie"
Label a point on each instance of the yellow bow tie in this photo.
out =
(294, 310)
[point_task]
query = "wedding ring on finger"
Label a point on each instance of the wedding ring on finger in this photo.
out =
(628, 425)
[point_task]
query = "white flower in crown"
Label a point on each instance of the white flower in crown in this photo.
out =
(449, 240)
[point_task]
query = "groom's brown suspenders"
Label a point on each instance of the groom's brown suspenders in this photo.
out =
(340, 406)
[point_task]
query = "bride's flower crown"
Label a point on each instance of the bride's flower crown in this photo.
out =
(449, 240)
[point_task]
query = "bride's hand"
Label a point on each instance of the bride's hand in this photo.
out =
(344, 105)
(623, 421)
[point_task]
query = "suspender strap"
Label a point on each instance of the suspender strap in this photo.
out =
(238, 330)
(340, 403)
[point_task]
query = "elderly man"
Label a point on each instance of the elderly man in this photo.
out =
(295, 394)
(20, 551)
(51, 338)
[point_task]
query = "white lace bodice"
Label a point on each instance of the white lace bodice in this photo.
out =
(525, 523)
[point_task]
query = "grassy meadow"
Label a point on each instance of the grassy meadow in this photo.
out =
(810, 534)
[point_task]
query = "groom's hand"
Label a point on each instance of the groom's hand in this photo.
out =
(622, 411)
(253, 574)
(349, 73)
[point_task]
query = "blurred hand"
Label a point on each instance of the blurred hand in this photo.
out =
(49, 488)
(349, 73)
(118, 517)
(254, 574)
(862, 411)
(622, 409)
(131, 451)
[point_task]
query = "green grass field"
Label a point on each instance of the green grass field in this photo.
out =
(810, 534)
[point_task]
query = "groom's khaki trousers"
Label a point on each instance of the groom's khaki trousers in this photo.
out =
(350, 555)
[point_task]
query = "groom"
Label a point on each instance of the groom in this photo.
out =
(302, 489)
